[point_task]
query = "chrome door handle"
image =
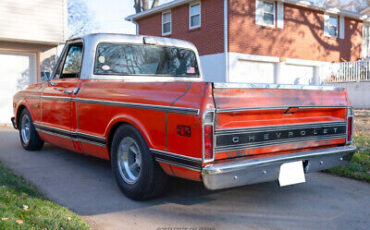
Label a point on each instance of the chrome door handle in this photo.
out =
(68, 91)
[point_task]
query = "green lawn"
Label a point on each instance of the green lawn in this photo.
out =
(359, 166)
(23, 207)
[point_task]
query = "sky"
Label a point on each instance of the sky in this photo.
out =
(111, 15)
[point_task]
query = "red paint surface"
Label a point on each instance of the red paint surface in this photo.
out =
(159, 128)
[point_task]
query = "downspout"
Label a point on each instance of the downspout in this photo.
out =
(137, 26)
(226, 42)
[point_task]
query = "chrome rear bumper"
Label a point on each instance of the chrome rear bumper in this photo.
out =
(250, 171)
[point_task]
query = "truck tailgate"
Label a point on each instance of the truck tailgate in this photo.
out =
(254, 119)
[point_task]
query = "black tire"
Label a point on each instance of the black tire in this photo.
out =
(151, 180)
(34, 142)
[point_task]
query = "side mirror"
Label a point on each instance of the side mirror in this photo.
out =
(46, 76)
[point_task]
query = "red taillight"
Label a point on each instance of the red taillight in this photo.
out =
(208, 142)
(349, 128)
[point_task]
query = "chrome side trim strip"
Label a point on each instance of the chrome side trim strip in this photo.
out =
(29, 96)
(220, 132)
(56, 98)
(90, 142)
(70, 138)
(76, 136)
(173, 109)
(179, 160)
(52, 129)
(273, 86)
(54, 134)
(178, 164)
(164, 108)
(281, 108)
(176, 155)
(89, 137)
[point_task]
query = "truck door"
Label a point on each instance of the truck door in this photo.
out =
(56, 100)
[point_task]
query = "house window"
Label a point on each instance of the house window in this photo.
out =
(194, 15)
(265, 13)
(269, 13)
(366, 41)
(166, 23)
(331, 26)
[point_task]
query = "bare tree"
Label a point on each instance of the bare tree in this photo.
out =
(142, 5)
(353, 5)
(80, 18)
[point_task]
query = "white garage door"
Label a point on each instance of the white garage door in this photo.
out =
(297, 74)
(253, 72)
(16, 71)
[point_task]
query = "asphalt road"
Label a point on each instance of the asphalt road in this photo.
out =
(86, 186)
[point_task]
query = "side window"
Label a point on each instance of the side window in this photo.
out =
(72, 63)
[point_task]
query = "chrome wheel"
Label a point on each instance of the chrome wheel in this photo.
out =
(129, 160)
(26, 129)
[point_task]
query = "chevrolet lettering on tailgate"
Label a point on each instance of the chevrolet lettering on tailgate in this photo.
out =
(141, 103)
(251, 138)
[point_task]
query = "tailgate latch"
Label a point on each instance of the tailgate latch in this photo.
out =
(291, 110)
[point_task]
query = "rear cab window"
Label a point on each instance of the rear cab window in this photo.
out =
(145, 60)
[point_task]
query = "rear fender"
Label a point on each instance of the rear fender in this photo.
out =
(128, 120)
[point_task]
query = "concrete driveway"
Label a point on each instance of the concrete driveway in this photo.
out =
(86, 186)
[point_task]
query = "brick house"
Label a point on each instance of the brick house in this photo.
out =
(30, 31)
(260, 41)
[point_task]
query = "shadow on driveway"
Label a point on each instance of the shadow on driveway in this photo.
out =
(86, 185)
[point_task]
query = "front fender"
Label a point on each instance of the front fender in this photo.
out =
(19, 106)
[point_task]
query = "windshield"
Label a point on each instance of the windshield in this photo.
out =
(132, 59)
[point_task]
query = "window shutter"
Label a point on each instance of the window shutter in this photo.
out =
(280, 15)
(326, 24)
(341, 27)
(259, 12)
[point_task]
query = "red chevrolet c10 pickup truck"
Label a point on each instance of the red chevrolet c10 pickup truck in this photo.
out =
(141, 103)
